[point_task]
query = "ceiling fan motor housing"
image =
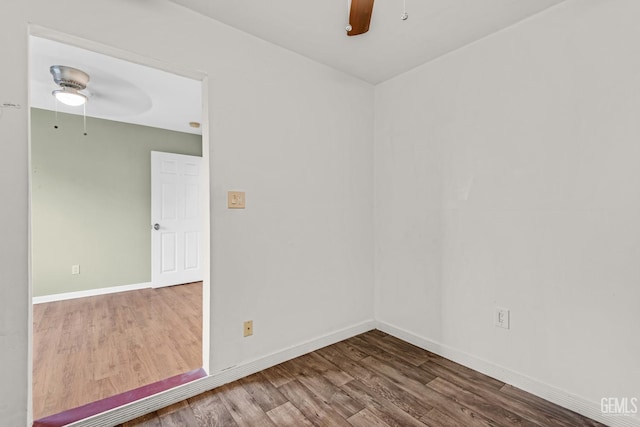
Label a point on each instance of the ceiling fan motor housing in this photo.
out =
(69, 77)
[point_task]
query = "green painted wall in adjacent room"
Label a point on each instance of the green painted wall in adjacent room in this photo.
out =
(91, 200)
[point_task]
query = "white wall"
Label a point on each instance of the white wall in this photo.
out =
(295, 135)
(14, 270)
(508, 174)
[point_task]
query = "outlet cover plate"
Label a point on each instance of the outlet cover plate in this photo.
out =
(248, 328)
(502, 318)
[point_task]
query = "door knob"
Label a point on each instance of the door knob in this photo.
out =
(156, 226)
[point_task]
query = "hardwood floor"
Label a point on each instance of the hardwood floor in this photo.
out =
(369, 380)
(91, 348)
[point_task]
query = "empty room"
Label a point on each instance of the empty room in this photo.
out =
(412, 213)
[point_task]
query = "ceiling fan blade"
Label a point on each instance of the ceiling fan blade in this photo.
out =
(360, 16)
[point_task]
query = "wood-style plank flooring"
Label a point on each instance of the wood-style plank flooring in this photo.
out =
(87, 349)
(369, 380)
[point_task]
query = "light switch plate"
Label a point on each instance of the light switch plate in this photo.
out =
(235, 199)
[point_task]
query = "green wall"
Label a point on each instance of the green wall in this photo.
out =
(91, 200)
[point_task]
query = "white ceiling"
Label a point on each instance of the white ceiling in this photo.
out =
(132, 93)
(316, 29)
(118, 90)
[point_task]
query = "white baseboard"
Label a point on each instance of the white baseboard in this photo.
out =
(546, 391)
(152, 403)
(89, 293)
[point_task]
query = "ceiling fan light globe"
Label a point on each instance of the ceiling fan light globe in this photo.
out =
(70, 97)
(349, 27)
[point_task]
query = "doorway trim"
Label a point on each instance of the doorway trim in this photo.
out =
(161, 398)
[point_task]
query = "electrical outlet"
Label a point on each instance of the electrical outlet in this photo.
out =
(75, 269)
(502, 318)
(248, 328)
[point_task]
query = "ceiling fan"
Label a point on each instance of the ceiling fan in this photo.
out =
(360, 16)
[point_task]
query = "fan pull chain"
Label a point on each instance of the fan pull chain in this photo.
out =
(348, 27)
(84, 117)
(404, 15)
(55, 125)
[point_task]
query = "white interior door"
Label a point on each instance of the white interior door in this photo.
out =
(176, 233)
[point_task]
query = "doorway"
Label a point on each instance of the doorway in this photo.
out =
(91, 270)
